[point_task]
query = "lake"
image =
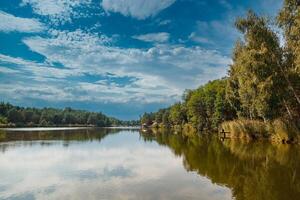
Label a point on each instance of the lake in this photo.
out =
(128, 164)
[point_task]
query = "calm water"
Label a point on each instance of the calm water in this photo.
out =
(126, 164)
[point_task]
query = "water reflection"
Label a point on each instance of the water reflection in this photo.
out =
(12, 138)
(251, 170)
(119, 164)
(96, 164)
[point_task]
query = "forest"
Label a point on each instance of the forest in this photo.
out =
(262, 85)
(18, 116)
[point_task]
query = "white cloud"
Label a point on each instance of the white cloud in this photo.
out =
(139, 9)
(40, 71)
(159, 74)
(42, 91)
(219, 34)
(7, 70)
(196, 38)
(11, 23)
(162, 72)
(164, 22)
(153, 37)
(58, 11)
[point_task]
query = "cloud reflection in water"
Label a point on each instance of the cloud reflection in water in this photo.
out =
(121, 166)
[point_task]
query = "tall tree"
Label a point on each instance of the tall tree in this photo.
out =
(15, 116)
(197, 110)
(289, 20)
(254, 72)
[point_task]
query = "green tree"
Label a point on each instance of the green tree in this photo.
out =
(15, 116)
(207, 106)
(92, 119)
(196, 109)
(159, 115)
(255, 71)
(27, 115)
(222, 110)
(165, 118)
(68, 118)
(4, 108)
(289, 20)
(177, 114)
(147, 118)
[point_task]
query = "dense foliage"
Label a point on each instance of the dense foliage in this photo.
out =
(19, 116)
(263, 82)
(204, 108)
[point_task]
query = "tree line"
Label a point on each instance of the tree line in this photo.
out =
(19, 116)
(263, 82)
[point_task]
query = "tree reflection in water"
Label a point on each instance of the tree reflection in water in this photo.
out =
(252, 170)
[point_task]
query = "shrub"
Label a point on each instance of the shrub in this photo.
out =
(284, 131)
(278, 130)
(247, 129)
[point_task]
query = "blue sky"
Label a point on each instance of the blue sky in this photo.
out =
(122, 57)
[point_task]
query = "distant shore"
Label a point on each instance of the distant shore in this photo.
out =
(52, 128)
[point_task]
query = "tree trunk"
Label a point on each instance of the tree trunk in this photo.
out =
(287, 109)
(290, 86)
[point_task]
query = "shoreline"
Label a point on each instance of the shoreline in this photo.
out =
(277, 131)
(57, 128)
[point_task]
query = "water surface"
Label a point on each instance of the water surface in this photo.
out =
(125, 164)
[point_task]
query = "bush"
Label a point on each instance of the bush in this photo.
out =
(247, 129)
(284, 131)
(278, 130)
(189, 130)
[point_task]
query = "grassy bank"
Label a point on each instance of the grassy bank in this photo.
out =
(279, 131)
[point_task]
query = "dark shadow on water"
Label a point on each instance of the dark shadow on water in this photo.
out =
(9, 139)
(257, 170)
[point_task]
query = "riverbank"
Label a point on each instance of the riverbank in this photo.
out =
(277, 131)
(72, 127)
